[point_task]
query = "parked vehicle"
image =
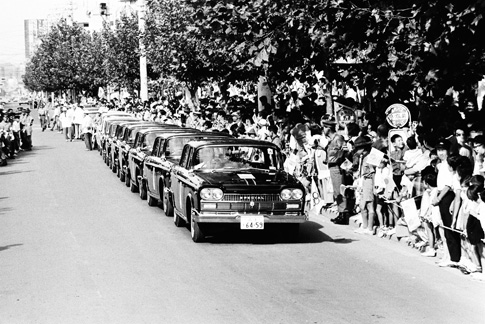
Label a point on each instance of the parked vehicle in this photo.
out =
(142, 147)
(125, 144)
(105, 117)
(103, 131)
(116, 141)
(166, 153)
(235, 181)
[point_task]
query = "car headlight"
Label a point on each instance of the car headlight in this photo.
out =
(211, 194)
(286, 194)
(295, 194)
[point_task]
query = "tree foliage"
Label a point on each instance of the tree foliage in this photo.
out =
(395, 50)
(121, 62)
(67, 58)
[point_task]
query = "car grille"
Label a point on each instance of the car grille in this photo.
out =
(252, 203)
(251, 197)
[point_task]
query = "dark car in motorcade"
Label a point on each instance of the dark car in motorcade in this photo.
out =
(101, 124)
(125, 144)
(110, 138)
(118, 140)
(105, 129)
(113, 149)
(144, 140)
(166, 153)
(235, 181)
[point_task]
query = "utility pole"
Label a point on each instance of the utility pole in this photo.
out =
(143, 58)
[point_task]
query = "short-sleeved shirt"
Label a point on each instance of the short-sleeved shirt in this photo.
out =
(445, 176)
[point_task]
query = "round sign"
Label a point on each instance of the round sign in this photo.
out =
(345, 116)
(398, 115)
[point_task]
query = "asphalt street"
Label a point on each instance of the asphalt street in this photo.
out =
(76, 246)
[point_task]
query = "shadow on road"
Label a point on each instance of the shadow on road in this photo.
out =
(310, 232)
(6, 247)
(3, 210)
(40, 148)
(2, 173)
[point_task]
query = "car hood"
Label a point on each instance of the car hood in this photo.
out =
(252, 180)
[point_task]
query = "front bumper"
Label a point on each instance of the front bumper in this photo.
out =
(235, 217)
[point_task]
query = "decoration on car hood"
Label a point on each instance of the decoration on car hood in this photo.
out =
(246, 176)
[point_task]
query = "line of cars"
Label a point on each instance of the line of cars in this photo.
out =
(205, 180)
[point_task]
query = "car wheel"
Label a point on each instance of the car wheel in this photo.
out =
(143, 191)
(178, 221)
(152, 201)
(133, 187)
(121, 176)
(127, 179)
(167, 205)
(195, 230)
(113, 167)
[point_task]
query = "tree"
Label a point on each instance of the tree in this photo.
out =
(68, 58)
(122, 55)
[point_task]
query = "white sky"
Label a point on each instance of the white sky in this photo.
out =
(14, 12)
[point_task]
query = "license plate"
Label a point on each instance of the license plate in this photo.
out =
(252, 222)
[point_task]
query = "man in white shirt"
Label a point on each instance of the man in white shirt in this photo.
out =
(444, 200)
(87, 130)
(55, 117)
(42, 117)
(77, 120)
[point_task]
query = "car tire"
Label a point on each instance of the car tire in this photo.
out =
(152, 201)
(167, 205)
(195, 228)
(195, 232)
(127, 180)
(142, 190)
(121, 176)
(178, 221)
(113, 167)
(133, 187)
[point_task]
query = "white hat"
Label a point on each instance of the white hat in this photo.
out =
(263, 122)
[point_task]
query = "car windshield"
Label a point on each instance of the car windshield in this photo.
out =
(175, 145)
(150, 139)
(237, 157)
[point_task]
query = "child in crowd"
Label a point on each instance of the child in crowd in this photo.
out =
(430, 214)
(382, 177)
(367, 171)
(398, 166)
(474, 229)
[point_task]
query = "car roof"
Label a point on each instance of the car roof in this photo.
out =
(199, 134)
(155, 128)
(231, 141)
(185, 132)
(120, 118)
(142, 124)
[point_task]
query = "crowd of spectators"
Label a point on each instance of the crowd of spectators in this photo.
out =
(15, 133)
(426, 187)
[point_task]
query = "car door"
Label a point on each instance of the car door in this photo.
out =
(150, 168)
(132, 157)
(179, 176)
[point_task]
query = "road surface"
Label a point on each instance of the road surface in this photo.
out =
(76, 246)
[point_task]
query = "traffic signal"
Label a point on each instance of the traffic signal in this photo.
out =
(103, 9)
